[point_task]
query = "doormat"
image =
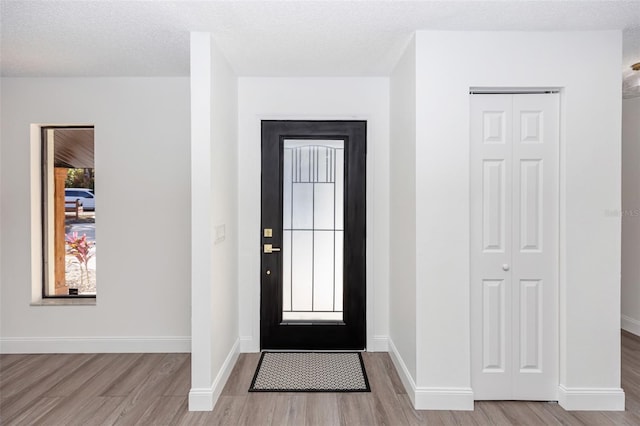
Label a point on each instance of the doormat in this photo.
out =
(310, 372)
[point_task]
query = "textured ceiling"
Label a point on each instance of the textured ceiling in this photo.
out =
(268, 38)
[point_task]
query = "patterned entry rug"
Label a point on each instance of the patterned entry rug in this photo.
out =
(310, 372)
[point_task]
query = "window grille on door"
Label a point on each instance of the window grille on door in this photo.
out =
(313, 231)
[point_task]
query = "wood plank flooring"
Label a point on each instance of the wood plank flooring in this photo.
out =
(152, 389)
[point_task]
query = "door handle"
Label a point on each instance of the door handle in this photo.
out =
(269, 248)
(505, 266)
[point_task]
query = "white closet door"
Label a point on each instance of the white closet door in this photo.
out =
(514, 246)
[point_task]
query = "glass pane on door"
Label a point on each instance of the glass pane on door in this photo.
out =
(313, 205)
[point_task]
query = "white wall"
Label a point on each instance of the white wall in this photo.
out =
(1, 214)
(142, 190)
(448, 64)
(314, 98)
(214, 212)
(402, 268)
(631, 215)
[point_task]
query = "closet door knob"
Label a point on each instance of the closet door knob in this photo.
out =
(505, 266)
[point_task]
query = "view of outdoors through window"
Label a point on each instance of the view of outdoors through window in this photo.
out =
(69, 211)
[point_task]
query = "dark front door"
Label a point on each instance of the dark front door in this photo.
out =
(313, 285)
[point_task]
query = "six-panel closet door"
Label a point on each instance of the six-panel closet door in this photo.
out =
(514, 245)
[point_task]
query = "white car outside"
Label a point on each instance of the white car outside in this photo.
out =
(85, 195)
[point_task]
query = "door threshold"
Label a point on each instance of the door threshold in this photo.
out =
(320, 351)
(320, 322)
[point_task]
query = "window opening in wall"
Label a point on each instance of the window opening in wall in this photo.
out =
(68, 212)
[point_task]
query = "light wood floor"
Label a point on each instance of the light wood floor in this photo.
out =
(128, 389)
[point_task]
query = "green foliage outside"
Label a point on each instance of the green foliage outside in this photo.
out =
(80, 178)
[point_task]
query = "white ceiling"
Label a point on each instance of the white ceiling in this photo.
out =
(268, 38)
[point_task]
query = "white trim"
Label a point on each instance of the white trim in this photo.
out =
(591, 399)
(630, 324)
(430, 398)
(449, 398)
(403, 372)
(201, 399)
(129, 344)
(379, 344)
(35, 211)
(204, 399)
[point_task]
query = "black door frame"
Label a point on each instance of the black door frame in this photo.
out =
(330, 335)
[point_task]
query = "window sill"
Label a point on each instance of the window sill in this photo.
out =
(81, 301)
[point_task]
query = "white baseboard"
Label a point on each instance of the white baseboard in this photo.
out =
(630, 324)
(379, 344)
(460, 399)
(201, 399)
(204, 399)
(405, 377)
(132, 344)
(430, 398)
(591, 399)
